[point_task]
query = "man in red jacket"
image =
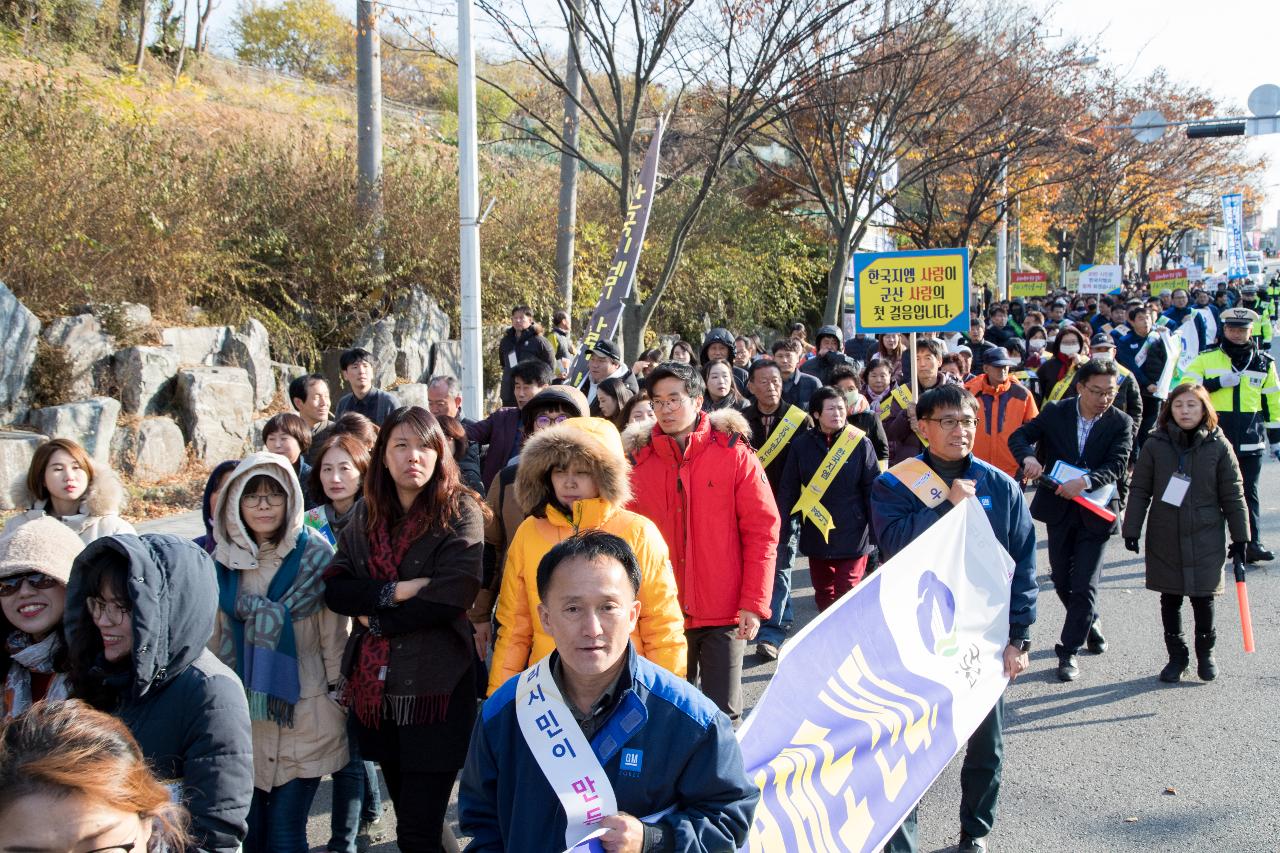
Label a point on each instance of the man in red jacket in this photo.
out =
(697, 478)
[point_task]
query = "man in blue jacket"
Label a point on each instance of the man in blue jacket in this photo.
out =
(640, 737)
(905, 502)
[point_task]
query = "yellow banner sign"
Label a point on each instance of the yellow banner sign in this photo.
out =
(917, 291)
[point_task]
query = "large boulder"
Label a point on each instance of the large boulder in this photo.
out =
(151, 449)
(286, 373)
(19, 330)
(411, 394)
(402, 340)
(331, 369)
(88, 348)
(216, 408)
(250, 348)
(91, 423)
(446, 359)
(16, 450)
(196, 344)
(146, 378)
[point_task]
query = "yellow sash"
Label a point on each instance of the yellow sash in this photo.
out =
(901, 393)
(1063, 384)
(922, 480)
(810, 503)
(792, 420)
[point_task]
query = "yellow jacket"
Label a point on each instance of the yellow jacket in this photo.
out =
(522, 642)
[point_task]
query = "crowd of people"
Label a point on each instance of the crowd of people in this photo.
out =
(388, 588)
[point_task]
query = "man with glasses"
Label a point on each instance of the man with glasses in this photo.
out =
(902, 507)
(696, 477)
(1082, 444)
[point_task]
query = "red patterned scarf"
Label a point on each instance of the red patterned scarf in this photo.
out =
(367, 682)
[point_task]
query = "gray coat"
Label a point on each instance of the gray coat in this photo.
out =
(186, 709)
(1185, 546)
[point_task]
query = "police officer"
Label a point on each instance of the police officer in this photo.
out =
(1241, 381)
(1262, 326)
(1273, 292)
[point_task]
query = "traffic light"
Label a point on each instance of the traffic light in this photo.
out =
(1222, 128)
(1065, 245)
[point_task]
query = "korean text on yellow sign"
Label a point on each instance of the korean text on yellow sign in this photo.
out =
(1028, 284)
(916, 291)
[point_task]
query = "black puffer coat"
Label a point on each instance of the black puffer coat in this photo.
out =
(1185, 546)
(186, 709)
(847, 499)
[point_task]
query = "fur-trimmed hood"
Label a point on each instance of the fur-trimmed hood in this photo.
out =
(105, 495)
(235, 547)
(591, 441)
(730, 422)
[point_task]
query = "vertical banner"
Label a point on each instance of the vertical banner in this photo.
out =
(622, 272)
(1233, 221)
(873, 698)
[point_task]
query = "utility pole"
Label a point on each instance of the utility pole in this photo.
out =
(468, 216)
(369, 121)
(566, 221)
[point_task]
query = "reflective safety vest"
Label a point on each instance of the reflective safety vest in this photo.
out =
(1249, 412)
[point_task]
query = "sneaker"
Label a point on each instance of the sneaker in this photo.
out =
(766, 650)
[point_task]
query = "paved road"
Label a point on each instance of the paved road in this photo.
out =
(1089, 765)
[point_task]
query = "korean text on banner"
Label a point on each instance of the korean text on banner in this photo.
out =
(1028, 284)
(1100, 278)
(873, 698)
(1233, 222)
(1168, 280)
(917, 291)
(621, 275)
(1073, 281)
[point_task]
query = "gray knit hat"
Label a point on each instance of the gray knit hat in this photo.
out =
(44, 545)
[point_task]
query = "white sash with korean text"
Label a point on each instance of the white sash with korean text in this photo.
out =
(564, 755)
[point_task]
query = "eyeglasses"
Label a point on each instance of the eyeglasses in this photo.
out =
(260, 498)
(108, 611)
(949, 423)
(1101, 392)
(544, 421)
(36, 580)
(671, 404)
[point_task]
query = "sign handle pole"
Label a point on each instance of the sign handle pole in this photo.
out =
(915, 380)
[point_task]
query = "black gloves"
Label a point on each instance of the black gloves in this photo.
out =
(1131, 542)
(1236, 550)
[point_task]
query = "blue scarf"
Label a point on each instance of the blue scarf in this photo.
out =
(257, 636)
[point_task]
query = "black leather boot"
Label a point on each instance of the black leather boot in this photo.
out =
(1206, 668)
(1179, 657)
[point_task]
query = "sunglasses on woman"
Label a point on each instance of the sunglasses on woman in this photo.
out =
(10, 585)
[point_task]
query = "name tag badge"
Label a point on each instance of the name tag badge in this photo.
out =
(512, 358)
(1255, 378)
(1176, 490)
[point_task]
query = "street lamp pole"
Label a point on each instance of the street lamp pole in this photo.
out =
(469, 216)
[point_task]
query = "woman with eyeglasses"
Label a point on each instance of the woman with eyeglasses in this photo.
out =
(838, 556)
(72, 778)
(139, 610)
(274, 630)
(407, 569)
(65, 483)
(35, 563)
